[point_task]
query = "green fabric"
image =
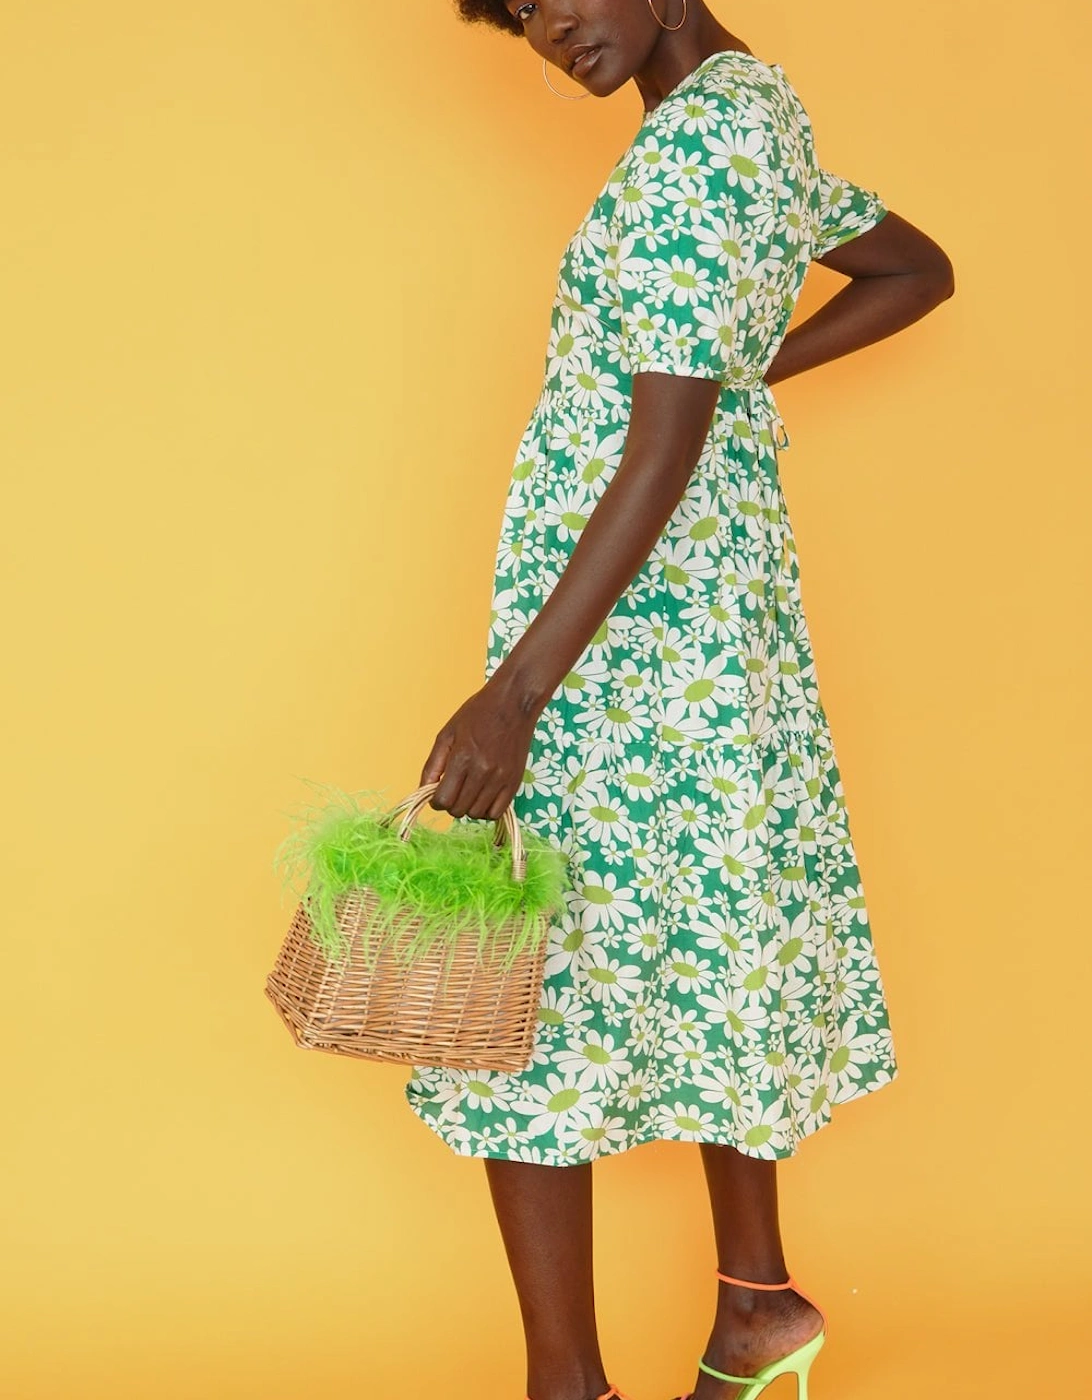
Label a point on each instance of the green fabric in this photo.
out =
(455, 882)
(711, 978)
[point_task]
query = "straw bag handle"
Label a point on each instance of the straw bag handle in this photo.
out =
(506, 823)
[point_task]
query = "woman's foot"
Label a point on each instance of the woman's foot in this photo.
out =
(752, 1328)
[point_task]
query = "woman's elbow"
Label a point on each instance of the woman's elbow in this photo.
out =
(941, 275)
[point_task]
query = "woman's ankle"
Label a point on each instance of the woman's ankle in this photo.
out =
(566, 1382)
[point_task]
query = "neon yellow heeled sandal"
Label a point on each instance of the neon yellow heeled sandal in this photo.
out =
(798, 1361)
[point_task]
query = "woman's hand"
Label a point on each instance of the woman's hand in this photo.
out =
(481, 753)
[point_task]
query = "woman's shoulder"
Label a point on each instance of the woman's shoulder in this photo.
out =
(732, 112)
(739, 74)
(733, 89)
(731, 86)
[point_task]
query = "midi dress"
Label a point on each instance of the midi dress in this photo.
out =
(711, 976)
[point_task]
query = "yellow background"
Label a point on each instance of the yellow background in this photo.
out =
(275, 283)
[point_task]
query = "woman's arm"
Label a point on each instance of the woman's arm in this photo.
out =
(898, 274)
(669, 421)
(482, 750)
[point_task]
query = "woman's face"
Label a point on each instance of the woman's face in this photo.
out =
(599, 43)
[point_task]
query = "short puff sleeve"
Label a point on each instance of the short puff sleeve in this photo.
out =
(693, 249)
(841, 211)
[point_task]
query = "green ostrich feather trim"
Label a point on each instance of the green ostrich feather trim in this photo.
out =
(452, 881)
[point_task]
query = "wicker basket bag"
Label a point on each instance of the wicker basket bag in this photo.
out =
(398, 987)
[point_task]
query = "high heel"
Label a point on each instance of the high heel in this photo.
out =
(798, 1361)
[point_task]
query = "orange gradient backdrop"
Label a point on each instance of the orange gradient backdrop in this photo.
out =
(275, 284)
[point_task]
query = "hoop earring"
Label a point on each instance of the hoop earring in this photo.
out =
(671, 27)
(567, 96)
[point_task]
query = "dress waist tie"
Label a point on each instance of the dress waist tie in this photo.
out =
(761, 409)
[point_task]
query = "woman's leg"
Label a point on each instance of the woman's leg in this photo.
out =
(545, 1218)
(752, 1327)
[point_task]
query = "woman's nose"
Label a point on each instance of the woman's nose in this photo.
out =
(559, 20)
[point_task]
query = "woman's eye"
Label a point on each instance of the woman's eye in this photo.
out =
(523, 13)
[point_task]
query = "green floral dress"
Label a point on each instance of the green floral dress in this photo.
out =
(712, 977)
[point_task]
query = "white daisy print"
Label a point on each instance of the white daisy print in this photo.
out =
(710, 975)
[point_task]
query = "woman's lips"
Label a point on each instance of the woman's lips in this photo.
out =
(584, 62)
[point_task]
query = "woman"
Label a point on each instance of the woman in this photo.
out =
(651, 699)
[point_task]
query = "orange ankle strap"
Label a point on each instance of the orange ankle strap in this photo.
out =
(748, 1284)
(789, 1283)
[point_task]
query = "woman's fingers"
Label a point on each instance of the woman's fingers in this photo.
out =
(449, 794)
(438, 755)
(502, 800)
(477, 795)
(491, 802)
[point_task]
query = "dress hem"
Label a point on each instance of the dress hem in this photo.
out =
(720, 1140)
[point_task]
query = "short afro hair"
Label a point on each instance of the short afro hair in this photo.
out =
(494, 12)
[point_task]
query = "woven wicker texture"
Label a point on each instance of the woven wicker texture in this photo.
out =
(450, 1007)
